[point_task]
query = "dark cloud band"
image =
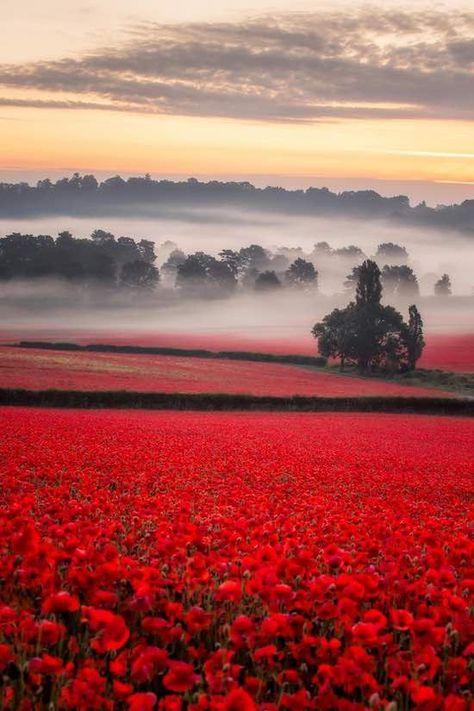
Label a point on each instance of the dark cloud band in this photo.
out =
(293, 67)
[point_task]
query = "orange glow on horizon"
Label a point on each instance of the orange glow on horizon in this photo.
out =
(88, 140)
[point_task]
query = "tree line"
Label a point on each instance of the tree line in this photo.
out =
(85, 195)
(129, 264)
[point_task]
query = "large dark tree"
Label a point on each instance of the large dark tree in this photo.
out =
(367, 333)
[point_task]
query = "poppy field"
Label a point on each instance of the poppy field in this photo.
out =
(36, 369)
(447, 351)
(233, 562)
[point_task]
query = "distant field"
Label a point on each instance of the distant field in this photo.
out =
(445, 352)
(39, 370)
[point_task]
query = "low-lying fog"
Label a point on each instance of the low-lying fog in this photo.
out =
(432, 253)
(212, 231)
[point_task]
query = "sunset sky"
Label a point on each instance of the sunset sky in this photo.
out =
(285, 91)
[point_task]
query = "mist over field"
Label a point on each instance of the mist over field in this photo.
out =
(59, 305)
(212, 230)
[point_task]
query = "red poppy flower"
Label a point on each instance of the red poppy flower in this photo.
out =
(121, 690)
(171, 703)
(401, 619)
(148, 663)
(46, 665)
(365, 633)
(239, 700)
(229, 590)
(60, 602)
(145, 701)
(180, 677)
(50, 633)
(112, 631)
(197, 620)
(422, 694)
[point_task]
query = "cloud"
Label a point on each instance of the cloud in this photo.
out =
(364, 63)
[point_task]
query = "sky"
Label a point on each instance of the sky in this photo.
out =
(344, 94)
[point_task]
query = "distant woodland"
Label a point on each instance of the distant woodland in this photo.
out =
(85, 195)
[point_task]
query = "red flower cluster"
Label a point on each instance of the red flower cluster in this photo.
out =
(234, 562)
(43, 369)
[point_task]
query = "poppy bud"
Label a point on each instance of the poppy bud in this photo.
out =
(374, 701)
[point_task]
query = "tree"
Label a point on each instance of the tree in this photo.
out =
(352, 279)
(233, 260)
(249, 278)
(221, 277)
(146, 249)
(302, 274)
(334, 335)
(203, 274)
(139, 275)
(399, 281)
(391, 253)
(376, 332)
(352, 252)
(165, 249)
(443, 286)
(367, 333)
(267, 281)
(373, 325)
(254, 257)
(413, 337)
(176, 258)
(101, 237)
(279, 263)
(369, 286)
(191, 274)
(321, 249)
